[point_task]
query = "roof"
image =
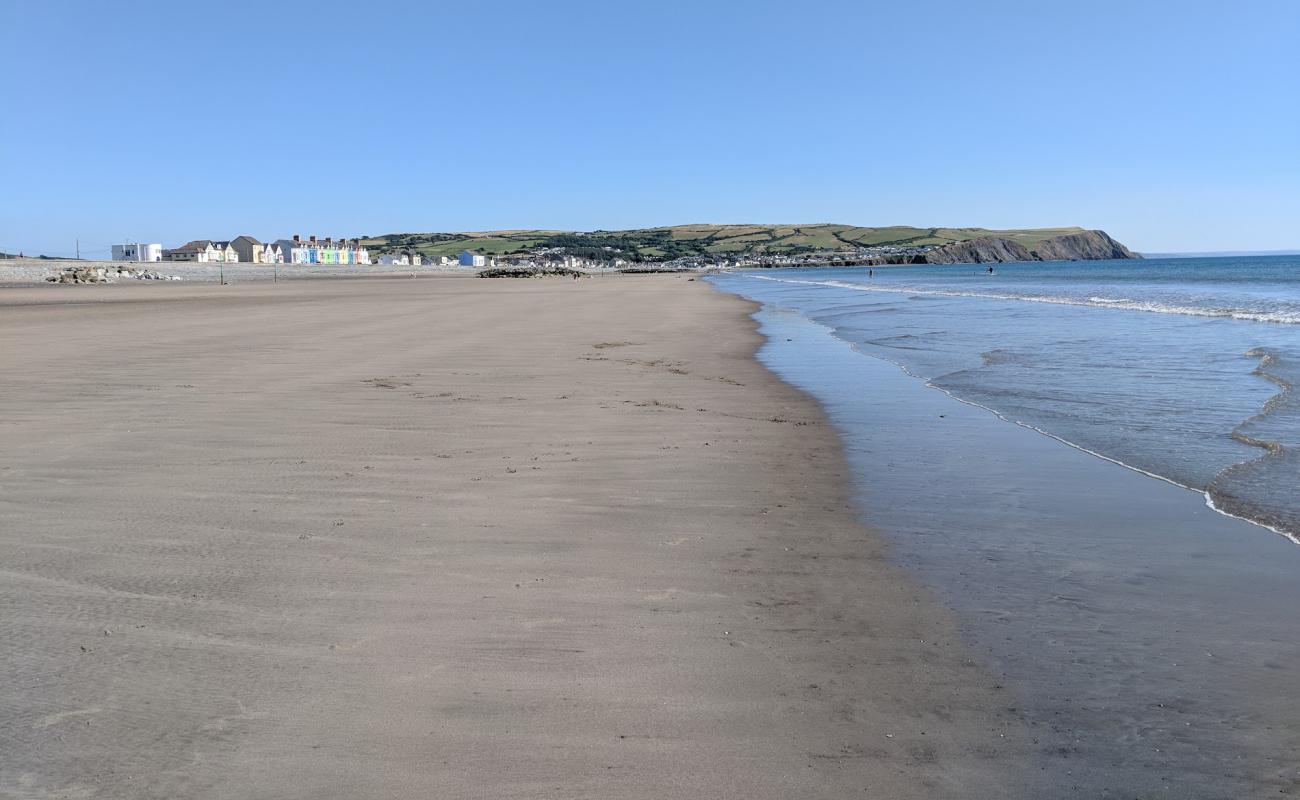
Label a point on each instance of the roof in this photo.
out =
(249, 239)
(193, 247)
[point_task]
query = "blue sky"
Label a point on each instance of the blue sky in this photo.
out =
(1172, 125)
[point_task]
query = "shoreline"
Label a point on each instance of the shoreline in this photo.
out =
(1204, 494)
(453, 538)
(1147, 637)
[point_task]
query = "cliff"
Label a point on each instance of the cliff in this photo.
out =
(1083, 246)
(1086, 246)
(992, 249)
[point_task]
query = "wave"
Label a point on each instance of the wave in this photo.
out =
(1222, 504)
(1128, 304)
(1218, 504)
(1229, 490)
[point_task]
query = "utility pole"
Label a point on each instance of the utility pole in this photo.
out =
(78, 248)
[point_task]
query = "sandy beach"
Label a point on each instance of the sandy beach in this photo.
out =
(451, 538)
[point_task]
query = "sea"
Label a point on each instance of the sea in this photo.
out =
(1182, 368)
(1096, 466)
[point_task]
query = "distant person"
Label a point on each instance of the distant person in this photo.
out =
(870, 272)
(990, 270)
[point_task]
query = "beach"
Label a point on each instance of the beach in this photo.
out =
(1031, 448)
(402, 537)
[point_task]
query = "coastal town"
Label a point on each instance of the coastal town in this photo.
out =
(329, 251)
(524, 254)
(350, 251)
(296, 250)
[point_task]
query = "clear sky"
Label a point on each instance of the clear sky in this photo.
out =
(1172, 125)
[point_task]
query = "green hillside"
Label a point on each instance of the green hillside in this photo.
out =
(656, 244)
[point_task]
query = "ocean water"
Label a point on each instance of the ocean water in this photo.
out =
(1148, 639)
(1181, 368)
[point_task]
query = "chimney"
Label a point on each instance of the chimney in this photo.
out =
(313, 238)
(297, 239)
(329, 242)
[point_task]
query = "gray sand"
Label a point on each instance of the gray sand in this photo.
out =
(450, 538)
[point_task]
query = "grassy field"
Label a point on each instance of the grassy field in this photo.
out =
(687, 240)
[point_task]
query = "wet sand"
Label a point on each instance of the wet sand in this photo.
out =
(451, 538)
(1152, 644)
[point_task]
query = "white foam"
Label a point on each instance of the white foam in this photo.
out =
(1209, 501)
(1252, 315)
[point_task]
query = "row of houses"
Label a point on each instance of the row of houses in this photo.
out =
(248, 250)
(465, 259)
(407, 260)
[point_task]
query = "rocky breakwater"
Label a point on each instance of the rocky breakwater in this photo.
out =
(107, 275)
(526, 271)
(1085, 246)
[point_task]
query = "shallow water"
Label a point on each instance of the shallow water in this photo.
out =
(1151, 644)
(1182, 368)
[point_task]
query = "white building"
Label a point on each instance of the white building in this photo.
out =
(137, 252)
(395, 260)
(225, 252)
(470, 259)
(204, 251)
(200, 250)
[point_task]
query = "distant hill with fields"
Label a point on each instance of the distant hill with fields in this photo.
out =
(665, 244)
